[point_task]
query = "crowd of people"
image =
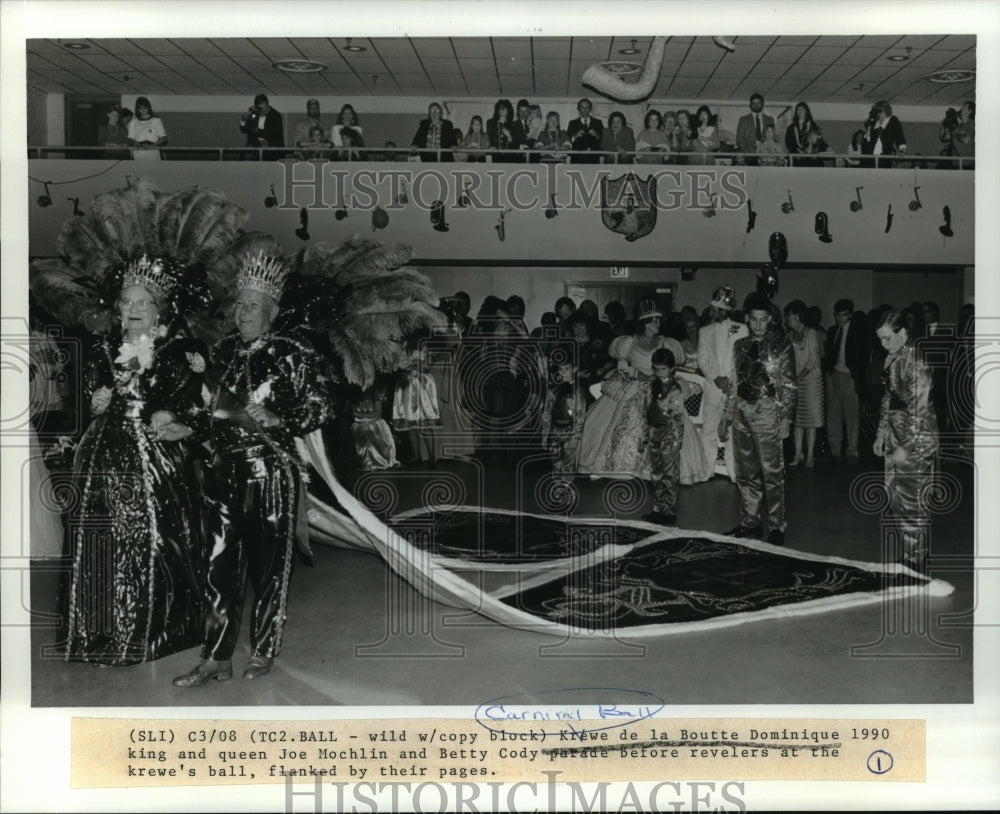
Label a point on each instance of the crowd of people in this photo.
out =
(669, 137)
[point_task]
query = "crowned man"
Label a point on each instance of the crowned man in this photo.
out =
(759, 409)
(715, 358)
(270, 392)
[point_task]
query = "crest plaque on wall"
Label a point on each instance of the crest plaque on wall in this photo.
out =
(628, 205)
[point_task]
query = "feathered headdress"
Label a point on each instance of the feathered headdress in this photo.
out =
(184, 231)
(364, 298)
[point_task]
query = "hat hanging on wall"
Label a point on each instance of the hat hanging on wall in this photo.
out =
(823, 227)
(303, 231)
(380, 218)
(945, 228)
(437, 216)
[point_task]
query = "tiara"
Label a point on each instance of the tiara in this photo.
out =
(723, 296)
(648, 309)
(262, 273)
(153, 274)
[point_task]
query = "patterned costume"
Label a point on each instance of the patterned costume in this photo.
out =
(138, 572)
(665, 417)
(908, 423)
(256, 489)
(715, 358)
(761, 400)
(562, 423)
(373, 441)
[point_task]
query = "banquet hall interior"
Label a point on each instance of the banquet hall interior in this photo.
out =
(511, 228)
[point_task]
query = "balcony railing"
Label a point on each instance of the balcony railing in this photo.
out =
(643, 157)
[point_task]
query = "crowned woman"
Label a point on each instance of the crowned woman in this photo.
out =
(137, 583)
(138, 576)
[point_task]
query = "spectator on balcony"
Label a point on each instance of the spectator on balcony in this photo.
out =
(958, 131)
(883, 132)
(303, 129)
(619, 139)
(113, 135)
(585, 132)
(146, 133)
(500, 130)
(554, 138)
(771, 150)
(536, 123)
(751, 127)
(853, 151)
(474, 139)
(520, 128)
(262, 124)
(685, 136)
(316, 146)
(670, 131)
(435, 133)
(125, 117)
(347, 119)
(652, 139)
(350, 141)
(706, 134)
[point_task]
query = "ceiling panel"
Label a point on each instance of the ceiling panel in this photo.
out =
(236, 46)
(432, 46)
(394, 47)
(821, 54)
(197, 46)
(784, 53)
(702, 53)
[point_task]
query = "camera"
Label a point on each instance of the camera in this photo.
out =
(872, 116)
(950, 119)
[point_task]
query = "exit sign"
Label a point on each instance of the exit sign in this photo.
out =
(619, 272)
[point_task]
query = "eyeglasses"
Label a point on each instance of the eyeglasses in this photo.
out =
(139, 305)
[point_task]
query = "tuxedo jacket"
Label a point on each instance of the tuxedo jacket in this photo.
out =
(273, 132)
(449, 139)
(856, 352)
(891, 135)
(582, 140)
(746, 132)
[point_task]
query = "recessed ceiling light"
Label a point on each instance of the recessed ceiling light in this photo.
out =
(354, 48)
(76, 46)
(898, 58)
(299, 66)
(952, 76)
(629, 51)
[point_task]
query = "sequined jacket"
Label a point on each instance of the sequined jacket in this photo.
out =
(282, 373)
(765, 369)
(907, 418)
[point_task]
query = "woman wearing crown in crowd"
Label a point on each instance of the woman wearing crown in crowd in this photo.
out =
(137, 581)
(907, 436)
(613, 441)
(270, 391)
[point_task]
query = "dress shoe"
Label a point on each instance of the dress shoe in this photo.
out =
(258, 667)
(776, 537)
(745, 531)
(205, 672)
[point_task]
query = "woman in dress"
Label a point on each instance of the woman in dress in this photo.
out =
(138, 560)
(803, 136)
(554, 138)
(651, 139)
(707, 133)
(347, 120)
(146, 133)
(613, 442)
(618, 138)
(907, 436)
(809, 377)
(475, 139)
(684, 140)
(500, 132)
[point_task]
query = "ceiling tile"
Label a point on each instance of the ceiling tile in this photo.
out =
(963, 61)
(754, 40)
(476, 67)
(765, 70)
(802, 71)
(745, 53)
(157, 47)
(519, 67)
(874, 73)
(394, 47)
(316, 47)
(861, 56)
(258, 63)
(957, 43)
(143, 62)
(821, 54)
(843, 72)
(838, 39)
(195, 46)
(698, 70)
(821, 86)
(440, 65)
(475, 48)
(277, 48)
(405, 65)
(39, 46)
(66, 61)
(36, 61)
(879, 40)
(519, 49)
(704, 53)
(433, 46)
(551, 48)
(119, 47)
(216, 63)
(783, 53)
(593, 50)
(236, 46)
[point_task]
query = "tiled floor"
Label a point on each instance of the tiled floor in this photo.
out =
(354, 634)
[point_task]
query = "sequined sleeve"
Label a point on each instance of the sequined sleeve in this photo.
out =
(177, 382)
(96, 369)
(913, 383)
(299, 395)
(546, 417)
(783, 378)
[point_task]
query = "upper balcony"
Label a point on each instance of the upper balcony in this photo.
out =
(544, 208)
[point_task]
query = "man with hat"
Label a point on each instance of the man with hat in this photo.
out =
(270, 392)
(715, 358)
(760, 407)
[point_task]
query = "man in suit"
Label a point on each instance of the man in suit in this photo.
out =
(884, 133)
(845, 362)
(435, 133)
(585, 133)
(262, 125)
(750, 129)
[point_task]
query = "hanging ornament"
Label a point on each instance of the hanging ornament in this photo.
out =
(46, 199)
(76, 207)
(823, 227)
(271, 200)
(437, 216)
(341, 214)
(788, 207)
(915, 203)
(857, 206)
(777, 249)
(380, 218)
(501, 228)
(751, 216)
(709, 211)
(303, 231)
(945, 229)
(552, 211)
(888, 219)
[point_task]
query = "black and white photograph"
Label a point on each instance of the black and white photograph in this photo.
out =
(390, 364)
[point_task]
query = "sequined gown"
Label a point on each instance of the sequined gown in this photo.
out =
(137, 580)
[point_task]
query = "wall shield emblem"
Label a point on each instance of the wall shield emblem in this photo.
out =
(628, 205)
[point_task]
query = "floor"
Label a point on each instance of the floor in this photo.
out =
(356, 635)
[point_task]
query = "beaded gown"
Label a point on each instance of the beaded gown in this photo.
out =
(137, 584)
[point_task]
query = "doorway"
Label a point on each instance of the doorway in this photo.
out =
(628, 294)
(84, 114)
